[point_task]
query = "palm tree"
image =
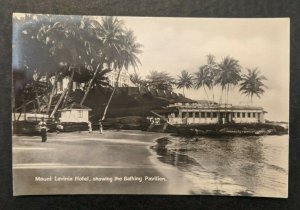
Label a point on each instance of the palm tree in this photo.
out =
(129, 49)
(69, 44)
(203, 79)
(212, 69)
(252, 83)
(185, 80)
(109, 32)
(229, 74)
(160, 80)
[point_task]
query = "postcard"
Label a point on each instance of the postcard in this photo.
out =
(150, 105)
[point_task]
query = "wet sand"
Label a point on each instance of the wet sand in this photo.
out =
(116, 162)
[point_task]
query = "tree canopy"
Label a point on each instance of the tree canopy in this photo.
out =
(252, 83)
(185, 80)
(160, 80)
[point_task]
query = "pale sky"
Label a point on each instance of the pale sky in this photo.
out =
(174, 44)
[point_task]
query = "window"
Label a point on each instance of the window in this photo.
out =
(80, 114)
(176, 114)
(243, 114)
(190, 114)
(183, 114)
(249, 114)
(238, 115)
(196, 114)
(254, 115)
(203, 114)
(208, 114)
(214, 114)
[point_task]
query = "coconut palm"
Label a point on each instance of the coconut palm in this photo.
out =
(71, 45)
(185, 80)
(109, 32)
(252, 83)
(212, 69)
(64, 39)
(203, 79)
(129, 49)
(160, 80)
(229, 74)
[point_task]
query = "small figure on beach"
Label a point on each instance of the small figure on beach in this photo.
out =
(59, 128)
(100, 126)
(90, 127)
(43, 128)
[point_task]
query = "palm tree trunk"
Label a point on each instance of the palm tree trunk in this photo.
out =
(37, 97)
(51, 95)
(50, 100)
(183, 91)
(227, 93)
(213, 94)
(206, 94)
(221, 97)
(58, 103)
(90, 85)
(68, 88)
(110, 98)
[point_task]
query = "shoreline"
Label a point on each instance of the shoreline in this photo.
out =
(112, 155)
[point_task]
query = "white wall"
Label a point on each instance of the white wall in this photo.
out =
(207, 120)
(213, 120)
(74, 116)
(246, 119)
(190, 120)
(29, 116)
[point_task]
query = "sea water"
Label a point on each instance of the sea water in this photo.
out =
(246, 166)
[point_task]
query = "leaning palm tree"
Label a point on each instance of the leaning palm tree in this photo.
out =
(129, 49)
(202, 79)
(185, 80)
(252, 84)
(108, 33)
(229, 75)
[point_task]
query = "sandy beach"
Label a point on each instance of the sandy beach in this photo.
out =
(116, 162)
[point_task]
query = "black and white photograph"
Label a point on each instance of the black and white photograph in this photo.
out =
(150, 105)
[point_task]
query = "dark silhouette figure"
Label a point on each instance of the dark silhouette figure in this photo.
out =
(43, 127)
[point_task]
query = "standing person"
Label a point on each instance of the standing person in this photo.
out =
(59, 127)
(90, 127)
(43, 128)
(100, 126)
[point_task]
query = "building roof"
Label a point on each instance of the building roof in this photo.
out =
(183, 100)
(75, 105)
(246, 107)
(206, 102)
(166, 110)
